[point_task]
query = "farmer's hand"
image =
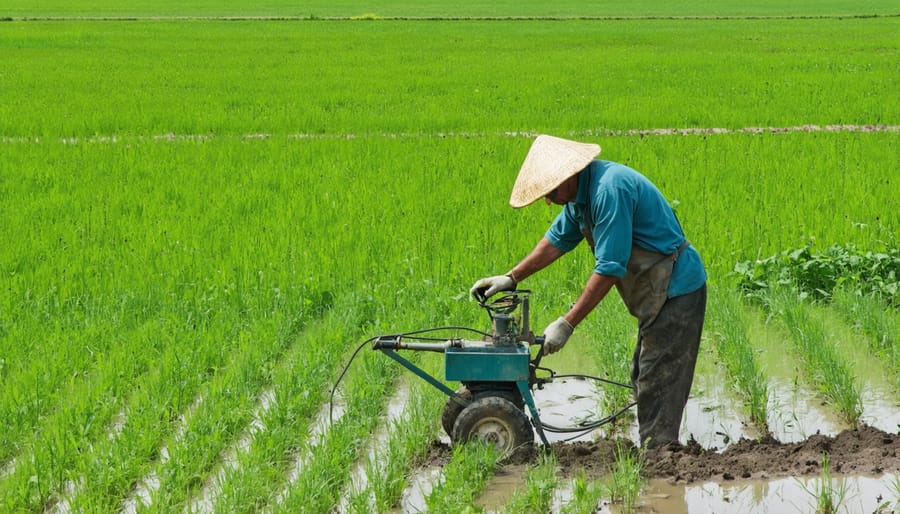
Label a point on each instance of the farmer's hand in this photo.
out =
(492, 285)
(556, 334)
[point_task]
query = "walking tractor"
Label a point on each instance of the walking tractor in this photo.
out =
(497, 374)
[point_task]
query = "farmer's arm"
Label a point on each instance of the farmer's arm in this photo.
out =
(562, 236)
(612, 232)
(539, 258)
(594, 291)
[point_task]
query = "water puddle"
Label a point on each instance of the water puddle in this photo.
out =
(420, 486)
(852, 494)
(710, 417)
(795, 413)
(880, 409)
(498, 490)
(566, 402)
(856, 494)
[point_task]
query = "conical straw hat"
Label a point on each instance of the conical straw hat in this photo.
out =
(550, 161)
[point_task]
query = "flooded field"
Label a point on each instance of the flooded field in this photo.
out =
(724, 465)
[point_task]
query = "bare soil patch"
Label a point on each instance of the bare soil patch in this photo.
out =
(865, 450)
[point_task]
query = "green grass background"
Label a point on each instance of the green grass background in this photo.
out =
(182, 203)
(442, 8)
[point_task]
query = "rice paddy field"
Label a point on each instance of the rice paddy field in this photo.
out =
(206, 207)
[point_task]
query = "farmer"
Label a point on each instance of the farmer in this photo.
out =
(640, 248)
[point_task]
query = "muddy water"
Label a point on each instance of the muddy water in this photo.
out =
(566, 402)
(709, 415)
(420, 486)
(713, 420)
(860, 494)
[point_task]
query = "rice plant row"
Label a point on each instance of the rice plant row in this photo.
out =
(824, 367)
(734, 348)
(880, 323)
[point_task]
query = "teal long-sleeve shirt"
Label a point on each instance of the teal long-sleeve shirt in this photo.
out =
(621, 207)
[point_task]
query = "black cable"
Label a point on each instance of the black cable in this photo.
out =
(398, 336)
(598, 379)
(580, 430)
(341, 376)
(585, 426)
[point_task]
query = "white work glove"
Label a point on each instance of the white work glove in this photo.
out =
(493, 285)
(556, 334)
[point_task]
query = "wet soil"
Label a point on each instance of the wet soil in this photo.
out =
(865, 450)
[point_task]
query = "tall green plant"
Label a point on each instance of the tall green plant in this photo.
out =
(469, 469)
(625, 481)
(540, 483)
(871, 316)
(825, 368)
(736, 351)
(586, 494)
(827, 497)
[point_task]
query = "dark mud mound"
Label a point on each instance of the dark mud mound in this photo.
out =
(865, 450)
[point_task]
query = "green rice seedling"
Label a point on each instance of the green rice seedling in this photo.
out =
(159, 220)
(689, 61)
(625, 481)
(540, 483)
(389, 469)
(586, 495)
(734, 348)
(298, 387)
(828, 498)
(226, 408)
(830, 374)
(872, 317)
(324, 474)
(116, 463)
(469, 469)
(88, 422)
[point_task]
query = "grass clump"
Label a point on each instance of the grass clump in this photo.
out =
(869, 273)
(540, 483)
(830, 374)
(469, 469)
(625, 481)
(586, 495)
(738, 354)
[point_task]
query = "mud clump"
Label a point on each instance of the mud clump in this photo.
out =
(865, 450)
(860, 451)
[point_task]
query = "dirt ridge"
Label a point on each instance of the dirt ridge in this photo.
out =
(864, 450)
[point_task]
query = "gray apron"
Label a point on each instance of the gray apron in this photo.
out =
(645, 286)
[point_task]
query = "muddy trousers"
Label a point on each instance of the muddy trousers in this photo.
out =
(663, 366)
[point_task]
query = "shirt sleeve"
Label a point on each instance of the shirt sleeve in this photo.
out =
(565, 232)
(612, 210)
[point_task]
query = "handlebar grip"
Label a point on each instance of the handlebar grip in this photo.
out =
(387, 343)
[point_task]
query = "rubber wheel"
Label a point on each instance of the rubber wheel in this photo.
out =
(495, 420)
(456, 404)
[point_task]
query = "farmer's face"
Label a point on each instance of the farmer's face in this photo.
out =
(565, 193)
